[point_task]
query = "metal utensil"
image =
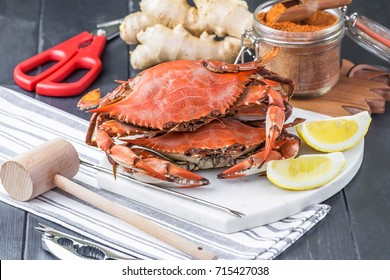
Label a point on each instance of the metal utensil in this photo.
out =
(167, 190)
(67, 247)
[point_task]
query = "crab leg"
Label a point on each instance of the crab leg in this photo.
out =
(274, 120)
(122, 155)
(276, 111)
(249, 166)
(273, 127)
(155, 167)
(127, 158)
(176, 174)
(287, 146)
(116, 128)
(91, 130)
(151, 166)
(222, 67)
(93, 98)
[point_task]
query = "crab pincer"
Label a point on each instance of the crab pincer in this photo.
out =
(157, 168)
(286, 146)
(175, 174)
(252, 165)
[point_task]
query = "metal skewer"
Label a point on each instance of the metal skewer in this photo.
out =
(167, 190)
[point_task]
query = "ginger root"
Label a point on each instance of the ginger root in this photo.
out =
(167, 12)
(222, 17)
(178, 43)
(189, 32)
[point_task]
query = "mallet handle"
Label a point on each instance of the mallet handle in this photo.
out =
(132, 218)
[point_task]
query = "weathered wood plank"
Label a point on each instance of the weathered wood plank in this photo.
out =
(12, 228)
(18, 41)
(62, 20)
(330, 239)
(368, 200)
(33, 249)
(19, 21)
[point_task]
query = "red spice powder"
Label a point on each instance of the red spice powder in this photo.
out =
(317, 21)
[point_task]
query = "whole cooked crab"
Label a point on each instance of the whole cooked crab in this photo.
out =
(187, 115)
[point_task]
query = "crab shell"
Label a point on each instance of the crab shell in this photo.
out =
(184, 112)
(183, 95)
(227, 139)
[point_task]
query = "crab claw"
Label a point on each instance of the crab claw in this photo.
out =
(127, 158)
(179, 176)
(274, 121)
(273, 126)
(251, 165)
(91, 99)
(156, 168)
(286, 146)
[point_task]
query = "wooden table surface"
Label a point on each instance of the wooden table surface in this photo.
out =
(358, 224)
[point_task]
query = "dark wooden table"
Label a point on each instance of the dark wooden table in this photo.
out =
(357, 226)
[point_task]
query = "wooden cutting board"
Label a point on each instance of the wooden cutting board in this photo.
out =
(360, 87)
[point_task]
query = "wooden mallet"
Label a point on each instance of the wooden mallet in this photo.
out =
(53, 164)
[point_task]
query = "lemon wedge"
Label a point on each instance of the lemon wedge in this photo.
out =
(335, 134)
(305, 172)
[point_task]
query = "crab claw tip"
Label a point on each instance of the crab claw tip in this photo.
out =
(226, 175)
(249, 166)
(91, 99)
(193, 183)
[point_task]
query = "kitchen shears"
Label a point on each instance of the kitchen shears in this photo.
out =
(82, 51)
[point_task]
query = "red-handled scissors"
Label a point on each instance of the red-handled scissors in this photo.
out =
(82, 51)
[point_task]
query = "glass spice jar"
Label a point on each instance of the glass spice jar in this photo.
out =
(311, 59)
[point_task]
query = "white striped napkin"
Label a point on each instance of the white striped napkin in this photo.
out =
(26, 122)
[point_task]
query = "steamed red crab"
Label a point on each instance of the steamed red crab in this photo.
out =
(187, 115)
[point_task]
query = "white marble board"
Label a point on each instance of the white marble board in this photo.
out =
(256, 197)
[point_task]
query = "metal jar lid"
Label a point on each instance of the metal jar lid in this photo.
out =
(369, 34)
